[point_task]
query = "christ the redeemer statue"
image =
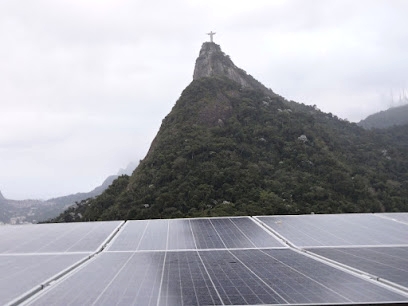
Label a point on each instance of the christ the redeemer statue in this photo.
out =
(211, 35)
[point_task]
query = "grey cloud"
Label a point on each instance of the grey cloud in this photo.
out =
(109, 22)
(84, 85)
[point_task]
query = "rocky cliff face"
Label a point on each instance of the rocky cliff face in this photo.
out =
(212, 62)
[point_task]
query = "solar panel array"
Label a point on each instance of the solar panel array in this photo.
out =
(345, 259)
(390, 263)
(55, 238)
(33, 255)
(192, 234)
(338, 230)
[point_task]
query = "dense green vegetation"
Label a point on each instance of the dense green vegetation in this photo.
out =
(226, 150)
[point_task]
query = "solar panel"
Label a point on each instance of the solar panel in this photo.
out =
(242, 233)
(338, 230)
(208, 261)
(186, 282)
(155, 235)
(390, 263)
(129, 237)
(182, 234)
(300, 279)
(260, 238)
(235, 283)
(124, 278)
(287, 277)
(401, 217)
(22, 273)
(222, 277)
(52, 238)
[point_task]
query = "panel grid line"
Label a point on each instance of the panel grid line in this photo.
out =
(308, 277)
(243, 233)
(219, 261)
(248, 267)
(384, 216)
(113, 279)
(81, 239)
(194, 250)
(356, 246)
(205, 268)
(354, 272)
(117, 273)
(120, 230)
(383, 266)
(164, 263)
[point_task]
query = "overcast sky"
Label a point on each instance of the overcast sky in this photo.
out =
(84, 84)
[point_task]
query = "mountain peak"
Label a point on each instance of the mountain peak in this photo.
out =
(212, 62)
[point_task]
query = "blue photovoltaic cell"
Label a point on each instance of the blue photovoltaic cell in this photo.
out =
(21, 273)
(185, 281)
(258, 236)
(136, 279)
(237, 277)
(181, 234)
(111, 279)
(206, 261)
(235, 283)
(230, 234)
(58, 237)
(390, 263)
(300, 279)
(218, 233)
(283, 276)
(338, 230)
(205, 235)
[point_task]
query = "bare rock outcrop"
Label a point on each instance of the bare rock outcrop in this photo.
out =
(212, 62)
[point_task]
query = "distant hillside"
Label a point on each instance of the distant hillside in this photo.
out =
(16, 212)
(390, 117)
(72, 198)
(230, 146)
(32, 211)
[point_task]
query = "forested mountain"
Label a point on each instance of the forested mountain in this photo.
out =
(230, 146)
(390, 117)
